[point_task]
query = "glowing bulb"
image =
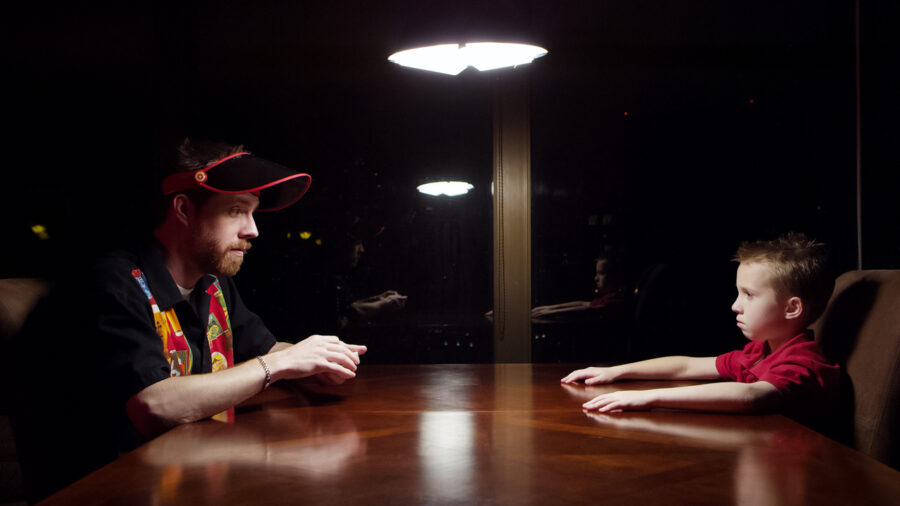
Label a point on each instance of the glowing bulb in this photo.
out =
(448, 188)
(305, 235)
(495, 55)
(452, 59)
(443, 58)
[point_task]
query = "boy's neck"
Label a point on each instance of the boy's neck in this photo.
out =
(776, 343)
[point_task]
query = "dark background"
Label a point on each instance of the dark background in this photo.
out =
(741, 124)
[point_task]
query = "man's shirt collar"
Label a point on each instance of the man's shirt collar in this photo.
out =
(162, 284)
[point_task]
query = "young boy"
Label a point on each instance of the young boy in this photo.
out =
(783, 286)
(609, 293)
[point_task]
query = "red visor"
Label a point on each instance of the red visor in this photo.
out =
(277, 186)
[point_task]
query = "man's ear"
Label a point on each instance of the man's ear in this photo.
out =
(182, 208)
(793, 308)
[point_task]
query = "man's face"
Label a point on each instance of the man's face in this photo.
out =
(760, 310)
(222, 229)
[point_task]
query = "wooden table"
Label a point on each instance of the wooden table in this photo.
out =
(482, 434)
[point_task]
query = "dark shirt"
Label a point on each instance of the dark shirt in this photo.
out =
(97, 346)
(126, 336)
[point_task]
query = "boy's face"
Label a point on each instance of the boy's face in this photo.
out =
(607, 277)
(601, 276)
(760, 310)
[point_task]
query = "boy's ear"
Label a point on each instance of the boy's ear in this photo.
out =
(793, 308)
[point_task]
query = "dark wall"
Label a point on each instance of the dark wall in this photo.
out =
(740, 125)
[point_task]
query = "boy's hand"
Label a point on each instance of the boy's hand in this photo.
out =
(591, 376)
(622, 400)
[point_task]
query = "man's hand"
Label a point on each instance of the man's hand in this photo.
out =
(393, 302)
(381, 303)
(316, 355)
(380, 296)
(330, 378)
(591, 376)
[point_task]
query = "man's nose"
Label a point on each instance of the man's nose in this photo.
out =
(249, 230)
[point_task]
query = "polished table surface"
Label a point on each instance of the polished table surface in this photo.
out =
(482, 434)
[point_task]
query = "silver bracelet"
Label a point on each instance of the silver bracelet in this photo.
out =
(268, 373)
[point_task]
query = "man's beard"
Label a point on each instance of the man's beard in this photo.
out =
(220, 261)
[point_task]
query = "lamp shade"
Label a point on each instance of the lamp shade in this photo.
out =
(448, 37)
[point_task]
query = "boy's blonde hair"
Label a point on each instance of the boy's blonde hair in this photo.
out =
(799, 267)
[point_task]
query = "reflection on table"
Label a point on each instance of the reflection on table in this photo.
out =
(482, 434)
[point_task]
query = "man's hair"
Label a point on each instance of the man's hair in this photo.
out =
(194, 154)
(799, 267)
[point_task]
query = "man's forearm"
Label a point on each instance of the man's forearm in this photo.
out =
(183, 399)
(365, 309)
(279, 345)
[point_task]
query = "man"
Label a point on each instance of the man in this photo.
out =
(178, 343)
(367, 307)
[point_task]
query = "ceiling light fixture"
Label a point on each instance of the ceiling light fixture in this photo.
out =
(452, 59)
(447, 188)
(449, 36)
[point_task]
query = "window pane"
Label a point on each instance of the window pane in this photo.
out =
(365, 255)
(668, 144)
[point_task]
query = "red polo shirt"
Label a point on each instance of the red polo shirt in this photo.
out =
(807, 381)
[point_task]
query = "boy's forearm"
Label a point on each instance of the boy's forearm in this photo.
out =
(675, 367)
(726, 397)
(575, 304)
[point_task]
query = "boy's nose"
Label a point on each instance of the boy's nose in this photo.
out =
(735, 307)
